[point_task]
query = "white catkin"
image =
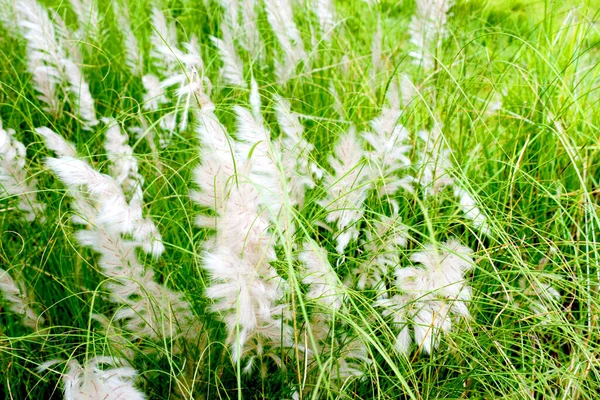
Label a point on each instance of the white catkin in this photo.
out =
(244, 287)
(15, 295)
(281, 19)
(389, 158)
(90, 19)
(150, 309)
(133, 56)
(13, 176)
(325, 11)
(99, 378)
(347, 187)
(324, 286)
(50, 64)
(428, 29)
(232, 71)
(431, 296)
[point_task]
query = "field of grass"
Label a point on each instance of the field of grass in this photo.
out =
(422, 221)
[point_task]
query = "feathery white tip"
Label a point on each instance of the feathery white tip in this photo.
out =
(346, 188)
(56, 143)
(436, 289)
(233, 69)
(133, 55)
(16, 296)
(100, 378)
(428, 29)
(13, 176)
(281, 19)
(323, 283)
(325, 11)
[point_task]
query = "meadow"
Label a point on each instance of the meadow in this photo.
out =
(299, 199)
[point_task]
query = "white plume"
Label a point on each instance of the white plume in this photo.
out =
(17, 297)
(13, 176)
(346, 188)
(428, 29)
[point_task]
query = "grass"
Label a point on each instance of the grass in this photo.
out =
(533, 165)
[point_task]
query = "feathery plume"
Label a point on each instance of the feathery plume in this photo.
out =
(16, 296)
(434, 161)
(151, 309)
(301, 172)
(50, 65)
(250, 39)
(389, 142)
(124, 165)
(232, 71)
(382, 243)
(431, 295)
(89, 18)
(13, 176)
(245, 288)
(281, 19)
(133, 56)
(377, 52)
(469, 206)
(346, 189)
(100, 378)
(325, 11)
(323, 283)
(56, 143)
(428, 29)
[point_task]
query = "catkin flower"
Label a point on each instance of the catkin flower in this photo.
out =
(430, 295)
(281, 19)
(389, 141)
(428, 29)
(50, 64)
(100, 378)
(346, 188)
(13, 176)
(232, 71)
(324, 286)
(16, 296)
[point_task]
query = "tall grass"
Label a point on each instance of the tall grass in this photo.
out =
(300, 199)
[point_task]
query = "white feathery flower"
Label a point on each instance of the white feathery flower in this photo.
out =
(377, 52)
(13, 176)
(299, 169)
(43, 52)
(281, 19)
(56, 143)
(81, 91)
(164, 52)
(389, 140)
(469, 206)
(89, 18)
(50, 64)
(428, 29)
(323, 283)
(16, 296)
(381, 245)
(232, 71)
(433, 293)
(408, 90)
(214, 175)
(250, 39)
(7, 17)
(151, 309)
(325, 11)
(245, 288)
(100, 378)
(154, 95)
(434, 161)
(124, 165)
(259, 159)
(346, 188)
(133, 56)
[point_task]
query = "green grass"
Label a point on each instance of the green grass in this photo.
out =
(534, 166)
